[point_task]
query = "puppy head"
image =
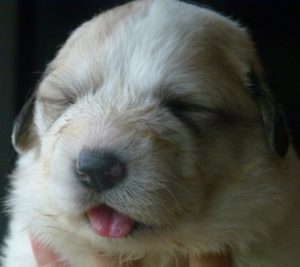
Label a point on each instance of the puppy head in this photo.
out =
(165, 101)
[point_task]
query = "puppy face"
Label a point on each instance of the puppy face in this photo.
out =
(161, 92)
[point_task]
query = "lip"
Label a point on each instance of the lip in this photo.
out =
(141, 227)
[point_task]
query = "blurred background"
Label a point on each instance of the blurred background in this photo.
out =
(31, 31)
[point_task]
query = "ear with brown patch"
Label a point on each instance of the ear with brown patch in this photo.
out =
(273, 119)
(24, 135)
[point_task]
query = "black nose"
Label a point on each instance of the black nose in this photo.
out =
(99, 170)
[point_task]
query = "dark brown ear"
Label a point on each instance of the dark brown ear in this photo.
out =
(272, 117)
(24, 135)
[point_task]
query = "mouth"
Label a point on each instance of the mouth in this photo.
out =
(110, 223)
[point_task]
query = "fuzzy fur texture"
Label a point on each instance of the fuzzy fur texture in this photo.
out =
(163, 84)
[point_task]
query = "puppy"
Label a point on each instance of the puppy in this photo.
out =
(152, 137)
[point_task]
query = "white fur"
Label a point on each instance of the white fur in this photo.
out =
(219, 190)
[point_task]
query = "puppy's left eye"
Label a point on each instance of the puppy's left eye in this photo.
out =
(177, 107)
(180, 108)
(187, 113)
(198, 117)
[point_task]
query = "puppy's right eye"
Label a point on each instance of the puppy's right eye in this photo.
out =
(53, 108)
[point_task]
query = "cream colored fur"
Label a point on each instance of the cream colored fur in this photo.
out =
(208, 183)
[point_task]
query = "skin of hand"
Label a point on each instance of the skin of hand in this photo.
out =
(211, 261)
(45, 257)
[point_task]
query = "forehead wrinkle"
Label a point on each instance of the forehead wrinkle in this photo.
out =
(133, 62)
(77, 85)
(85, 60)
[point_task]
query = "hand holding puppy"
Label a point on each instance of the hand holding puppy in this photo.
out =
(46, 257)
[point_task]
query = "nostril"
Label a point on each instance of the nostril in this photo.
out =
(84, 178)
(114, 170)
(99, 170)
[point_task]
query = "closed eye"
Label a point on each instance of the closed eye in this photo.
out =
(197, 116)
(178, 106)
(53, 108)
(58, 102)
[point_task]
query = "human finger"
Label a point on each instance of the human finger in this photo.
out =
(211, 261)
(45, 257)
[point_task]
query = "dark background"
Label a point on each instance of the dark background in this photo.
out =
(31, 31)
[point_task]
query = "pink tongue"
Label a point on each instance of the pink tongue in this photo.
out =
(107, 222)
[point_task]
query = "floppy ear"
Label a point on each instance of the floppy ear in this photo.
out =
(272, 117)
(24, 135)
